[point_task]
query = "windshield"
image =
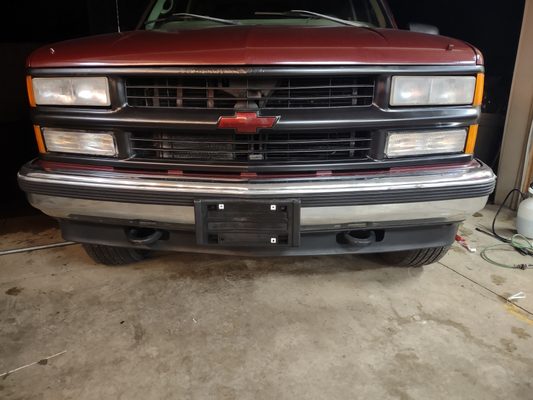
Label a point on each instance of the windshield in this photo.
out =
(265, 12)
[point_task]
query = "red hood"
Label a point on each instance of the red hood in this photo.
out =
(256, 45)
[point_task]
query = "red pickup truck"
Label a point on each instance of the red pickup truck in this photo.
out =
(276, 128)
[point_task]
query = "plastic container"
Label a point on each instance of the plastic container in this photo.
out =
(524, 218)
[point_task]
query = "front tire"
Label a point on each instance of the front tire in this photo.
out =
(415, 258)
(114, 256)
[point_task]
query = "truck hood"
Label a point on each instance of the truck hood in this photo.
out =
(256, 45)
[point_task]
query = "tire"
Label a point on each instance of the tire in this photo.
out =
(415, 258)
(114, 256)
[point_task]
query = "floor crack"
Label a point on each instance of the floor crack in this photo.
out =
(486, 288)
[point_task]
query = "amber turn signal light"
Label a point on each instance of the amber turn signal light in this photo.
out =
(471, 139)
(39, 139)
(478, 94)
(31, 96)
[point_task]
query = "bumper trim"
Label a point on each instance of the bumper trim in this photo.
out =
(318, 243)
(475, 180)
(311, 219)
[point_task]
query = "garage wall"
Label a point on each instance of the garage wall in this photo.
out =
(516, 160)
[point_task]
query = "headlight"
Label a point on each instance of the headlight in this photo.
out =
(71, 91)
(432, 90)
(79, 142)
(404, 144)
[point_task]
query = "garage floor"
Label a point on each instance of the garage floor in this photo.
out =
(199, 326)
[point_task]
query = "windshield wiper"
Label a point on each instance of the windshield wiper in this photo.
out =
(312, 14)
(177, 16)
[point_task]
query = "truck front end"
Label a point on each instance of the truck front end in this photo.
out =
(299, 136)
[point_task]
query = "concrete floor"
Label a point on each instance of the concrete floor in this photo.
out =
(187, 326)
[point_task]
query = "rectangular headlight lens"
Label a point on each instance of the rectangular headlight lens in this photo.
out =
(79, 142)
(432, 90)
(93, 91)
(405, 144)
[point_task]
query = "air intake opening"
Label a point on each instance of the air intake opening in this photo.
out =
(250, 93)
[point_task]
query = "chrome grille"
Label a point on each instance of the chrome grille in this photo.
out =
(249, 93)
(266, 146)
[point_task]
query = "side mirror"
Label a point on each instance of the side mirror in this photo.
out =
(423, 28)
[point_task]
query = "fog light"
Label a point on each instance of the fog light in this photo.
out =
(417, 143)
(79, 142)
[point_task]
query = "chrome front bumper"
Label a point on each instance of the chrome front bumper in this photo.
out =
(404, 197)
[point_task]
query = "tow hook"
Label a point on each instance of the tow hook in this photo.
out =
(143, 236)
(359, 238)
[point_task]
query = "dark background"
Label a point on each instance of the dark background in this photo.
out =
(493, 27)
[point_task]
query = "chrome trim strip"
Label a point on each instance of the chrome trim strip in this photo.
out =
(346, 217)
(441, 178)
(436, 211)
(264, 71)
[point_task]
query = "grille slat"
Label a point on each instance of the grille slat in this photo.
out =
(257, 141)
(272, 146)
(250, 88)
(325, 97)
(249, 93)
(308, 150)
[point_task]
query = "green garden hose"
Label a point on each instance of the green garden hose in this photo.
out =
(517, 242)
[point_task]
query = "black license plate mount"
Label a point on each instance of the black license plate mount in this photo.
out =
(248, 223)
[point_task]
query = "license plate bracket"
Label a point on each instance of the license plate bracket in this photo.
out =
(248, 223)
